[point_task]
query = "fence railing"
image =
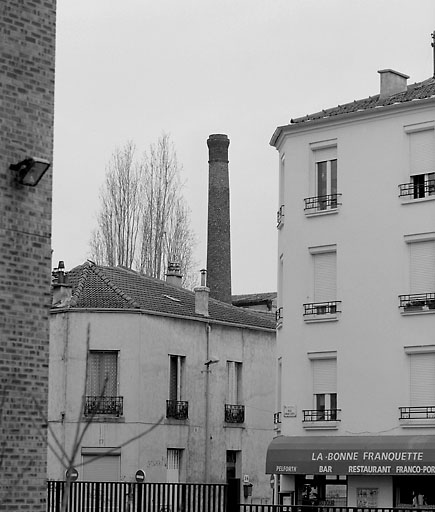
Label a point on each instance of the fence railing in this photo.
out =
(137, 497)
(326, 508)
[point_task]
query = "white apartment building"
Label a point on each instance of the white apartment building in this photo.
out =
(355, 415)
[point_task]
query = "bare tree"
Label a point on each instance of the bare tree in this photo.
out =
(144, 221)
(115, 240)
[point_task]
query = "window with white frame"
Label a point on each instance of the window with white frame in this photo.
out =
(325, 186)
(234, 382)
(421, 296)
(422, 379)
(324, 288)
(422, 163)
(176, 371)
(324, 389)
(173, 465)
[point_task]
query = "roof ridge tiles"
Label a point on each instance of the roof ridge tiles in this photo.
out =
(98, 271)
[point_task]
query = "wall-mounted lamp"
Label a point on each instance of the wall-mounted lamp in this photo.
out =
(30, 170)
(212, 360)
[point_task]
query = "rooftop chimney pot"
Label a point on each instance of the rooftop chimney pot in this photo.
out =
(201, 296)
(174, 275)
(392, 82)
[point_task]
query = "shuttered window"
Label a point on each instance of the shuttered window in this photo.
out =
(325, 276)
(422, 152)
(324, 376)
(234, 384)
(102, 376)
(422, 267)
(106, 468)
(176, 368)
(422, 380)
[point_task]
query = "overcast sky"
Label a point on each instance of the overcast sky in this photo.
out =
(132, 69)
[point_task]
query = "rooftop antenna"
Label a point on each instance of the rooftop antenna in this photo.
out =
(433, 46)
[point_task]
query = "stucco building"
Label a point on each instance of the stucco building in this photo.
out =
(144, 352)
(356, 353)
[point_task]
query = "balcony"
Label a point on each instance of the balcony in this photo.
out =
(311, 415)
(234, 413)
(107, 405)
(279, 315)
(417, 302)
(280, 216)
(320, 204)
(177, 409)
(417, 189)
(313, 309)
(417, 413)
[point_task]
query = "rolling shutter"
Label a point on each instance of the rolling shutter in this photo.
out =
(324, 376)
(325, 276)
(105, 469)
(422, 379)
(422, 271)
(422, 152)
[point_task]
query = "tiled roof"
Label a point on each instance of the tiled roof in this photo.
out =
(418, 91)
(98, 287)
(253, 298)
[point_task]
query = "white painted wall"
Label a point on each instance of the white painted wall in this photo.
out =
(144, 342)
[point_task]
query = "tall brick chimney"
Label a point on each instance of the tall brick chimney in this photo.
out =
(218, 232)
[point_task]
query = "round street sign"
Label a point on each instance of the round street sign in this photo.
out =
(72, 474)
(140, 475)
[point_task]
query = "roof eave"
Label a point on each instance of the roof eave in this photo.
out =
(386, 109)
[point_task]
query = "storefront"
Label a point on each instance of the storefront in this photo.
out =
(369, 471)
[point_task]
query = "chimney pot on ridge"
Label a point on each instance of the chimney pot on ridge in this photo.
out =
(202, 296)
(174, 275)
(392, 82)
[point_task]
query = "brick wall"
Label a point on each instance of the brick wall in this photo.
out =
(27, 49)
(218, 230)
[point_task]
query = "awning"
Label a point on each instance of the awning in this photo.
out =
(352, 455)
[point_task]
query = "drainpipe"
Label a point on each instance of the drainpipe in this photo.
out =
(207, 404)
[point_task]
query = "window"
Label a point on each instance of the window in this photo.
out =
(280, 213)
(421, 385)
(422, 163)
(234, 410)
(325, 388)
(176, 407)
(421, 274)
(325, 180)
(102, 384)
(324, 288)
(173, 464)
(324, 372)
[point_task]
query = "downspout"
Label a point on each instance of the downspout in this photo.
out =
(207, 404)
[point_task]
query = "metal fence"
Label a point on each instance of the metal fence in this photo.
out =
(137, 497)
(310, 508)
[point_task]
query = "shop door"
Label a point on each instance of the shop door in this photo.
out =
(233, 495)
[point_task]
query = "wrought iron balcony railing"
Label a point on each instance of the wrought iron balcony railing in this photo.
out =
(277, 418)
(321, 415)
(109, 405)
(322, 308)
(234, 413)
(417, 301)
(417, 190)
(417, 413)
(177, 409)
(322, 203)
(280, 216)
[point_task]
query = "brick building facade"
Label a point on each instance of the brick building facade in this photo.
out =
(27, 32)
